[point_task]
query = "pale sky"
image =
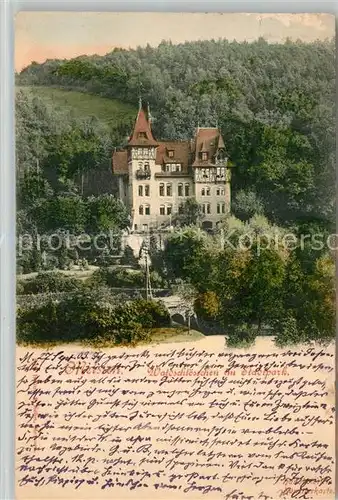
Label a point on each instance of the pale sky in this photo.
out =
(52, 35)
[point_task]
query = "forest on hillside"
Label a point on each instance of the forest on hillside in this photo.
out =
(273, 102)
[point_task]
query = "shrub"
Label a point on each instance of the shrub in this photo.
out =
(288, 332)
(128, 258)
(51, 282)
(20, 289)
(90, 316)
(241, 335)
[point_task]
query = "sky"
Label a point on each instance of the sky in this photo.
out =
(53, 35)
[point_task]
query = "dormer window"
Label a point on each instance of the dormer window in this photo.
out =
(171, 153)
(142, 135)
(204, 156)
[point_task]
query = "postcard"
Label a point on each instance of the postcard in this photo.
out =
(175, 256)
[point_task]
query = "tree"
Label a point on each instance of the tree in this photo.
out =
(189, 255)
(189, 213)
(106, 213)
(207, 305)
(247, 204)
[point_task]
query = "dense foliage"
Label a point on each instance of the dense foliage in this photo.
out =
(48, 282)
(253, 284)
(86, 316)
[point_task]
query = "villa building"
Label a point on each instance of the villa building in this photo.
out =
(156, 177)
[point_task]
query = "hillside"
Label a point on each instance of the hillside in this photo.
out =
(83, 105)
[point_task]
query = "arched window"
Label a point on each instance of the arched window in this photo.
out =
(207, 191)
(140, 164)
(203, 192)
(221, 208)
(206, 209)
(147, 209)
(162, 210)
(140, 210)
(161, 189)
(169, 190)
(147, 190)
(187, 190)
(140, 190)
(180, 190)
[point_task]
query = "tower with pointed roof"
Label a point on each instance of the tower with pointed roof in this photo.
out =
(156, 177)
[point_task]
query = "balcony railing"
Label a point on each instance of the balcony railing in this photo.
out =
(143, 174)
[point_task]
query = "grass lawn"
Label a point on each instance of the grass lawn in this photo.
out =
(83, 105)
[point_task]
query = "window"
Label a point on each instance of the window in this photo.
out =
(220, 192)
(169, 190)
(169, 209)
(206, 208)
(180, 190)
(204, 156)
(146, 167)
(162, 210)
(221, 208)
(140, 164)
(147, 210)
(168, 167)
(147, 190)
(187, 190)
(171, 153)
(205, 191)
(163, 167)
(142, 135)
(139, 151)
(178, 167)
(146, 152)
(135, 227)
(140, 190)
(161, 189)
(140, 210)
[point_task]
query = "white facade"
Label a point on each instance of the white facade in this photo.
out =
(154, 178)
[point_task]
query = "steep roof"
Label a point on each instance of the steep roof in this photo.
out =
(142, 134)
(207, 140)
(181, 153)
(120, 162)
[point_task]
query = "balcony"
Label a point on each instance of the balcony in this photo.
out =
(143, 174)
